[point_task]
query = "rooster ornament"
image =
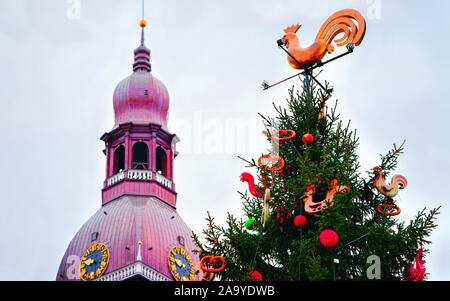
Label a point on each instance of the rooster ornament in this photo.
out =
(390, 191)
(256, 191)
(312, 207)
(417, 273)
(340, 23)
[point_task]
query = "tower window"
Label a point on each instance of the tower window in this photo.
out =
(94, 236)
(119, 159)
(161, 161)
(140, 156)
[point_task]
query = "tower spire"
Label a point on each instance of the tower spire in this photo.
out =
(142, 53)
(142, 35)
(143, 23)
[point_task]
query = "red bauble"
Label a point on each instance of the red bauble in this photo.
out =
(328, 238)
(308, 138)
(255, 275)
(299, 220)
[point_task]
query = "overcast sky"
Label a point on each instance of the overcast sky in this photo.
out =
(61, 61)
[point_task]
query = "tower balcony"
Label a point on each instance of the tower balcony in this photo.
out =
(139, 182)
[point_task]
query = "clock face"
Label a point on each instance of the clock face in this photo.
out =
(181, 265)
(94, 262)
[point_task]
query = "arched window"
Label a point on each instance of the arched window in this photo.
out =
(140, 156)
(161, 161)
(119, 159)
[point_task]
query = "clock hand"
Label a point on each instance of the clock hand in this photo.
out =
(89, 261)
(179, 263)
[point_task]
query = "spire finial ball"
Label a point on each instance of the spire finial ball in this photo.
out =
(142, 23)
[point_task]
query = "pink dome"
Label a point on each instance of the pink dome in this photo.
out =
(141, 98)
(120, 224)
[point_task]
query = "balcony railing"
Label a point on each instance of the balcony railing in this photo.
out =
(115, 178)
(139, 174)
(163, 180)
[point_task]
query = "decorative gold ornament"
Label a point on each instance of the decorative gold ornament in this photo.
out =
(94, 262)
(181, 265)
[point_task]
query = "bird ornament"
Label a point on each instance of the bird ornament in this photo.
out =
(417, 273)
(256, 191)
(312, 207)
(391, 190)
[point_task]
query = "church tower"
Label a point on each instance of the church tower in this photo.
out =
(137, 233)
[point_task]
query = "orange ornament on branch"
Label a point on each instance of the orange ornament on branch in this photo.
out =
(212, 260)
(272, 163)
(389, 207)
(312, 207)
(280, 135)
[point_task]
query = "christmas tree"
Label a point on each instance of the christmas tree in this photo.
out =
(309, 214)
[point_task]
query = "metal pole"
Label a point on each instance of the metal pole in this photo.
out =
(308, 84)
(339, 251)
(334, 270)
(257, 246)
(301, 239)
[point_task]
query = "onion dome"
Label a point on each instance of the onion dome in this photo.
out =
(135, 229)
(141, 98)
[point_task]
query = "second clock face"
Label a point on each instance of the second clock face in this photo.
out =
(181, 265)
(94, 262)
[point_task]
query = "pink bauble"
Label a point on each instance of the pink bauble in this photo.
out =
(255, 275)
(307, 138)
(328, 238)
(299, 220)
